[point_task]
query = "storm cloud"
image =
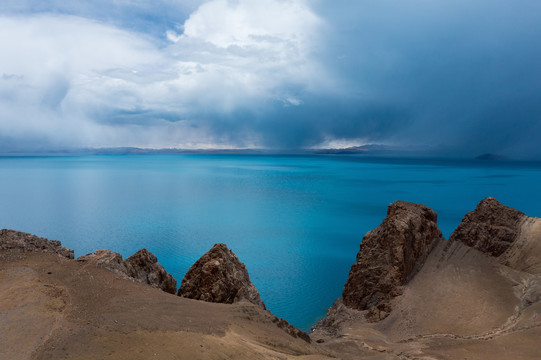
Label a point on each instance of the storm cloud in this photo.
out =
(457, 77)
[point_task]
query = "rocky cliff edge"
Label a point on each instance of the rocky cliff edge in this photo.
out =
(19, 241)
(389, 257)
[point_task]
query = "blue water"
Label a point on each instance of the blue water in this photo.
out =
(296, 222)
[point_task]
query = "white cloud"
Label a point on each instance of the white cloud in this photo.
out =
(54, 58)
(252, 49)
(79, 82)
(283, 25)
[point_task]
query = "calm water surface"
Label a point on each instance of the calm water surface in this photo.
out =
(296, 222)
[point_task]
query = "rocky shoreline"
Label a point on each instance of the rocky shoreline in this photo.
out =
(410, 294)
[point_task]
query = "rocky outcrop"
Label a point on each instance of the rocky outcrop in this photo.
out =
(19, 241)
(218, 276)
(336, 315)
(106, 259)
(389, 257)
(491, 228)
(142, 266)
(290, 329)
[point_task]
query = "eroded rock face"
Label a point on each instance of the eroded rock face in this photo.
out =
(336, 315)
(106, 259)
(290, 329)
(144, 266)
(389, 257)
(491, 227)
(20, 241)
(219, 276)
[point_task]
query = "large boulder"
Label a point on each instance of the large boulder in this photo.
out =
(491, 228)
(218, 276)
(19, 241)
(144, 266)
(389, 257)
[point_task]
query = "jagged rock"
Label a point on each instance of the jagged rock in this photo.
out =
(491, 228)
(389, 257)
(106, 259)
(336, 315)
(219, 276)
(20, 241)
(532, 292)
(290, 329)
(144, 266)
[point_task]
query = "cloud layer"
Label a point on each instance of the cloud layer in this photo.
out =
(457, 77)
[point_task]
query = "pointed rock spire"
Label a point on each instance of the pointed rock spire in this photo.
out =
(218, 276)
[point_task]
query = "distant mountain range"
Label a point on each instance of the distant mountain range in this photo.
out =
(376, 150)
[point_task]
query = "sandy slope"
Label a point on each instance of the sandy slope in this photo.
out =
(463, 304)
(525, 254)
(54, 308)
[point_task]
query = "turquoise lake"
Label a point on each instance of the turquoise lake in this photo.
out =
(295, 221)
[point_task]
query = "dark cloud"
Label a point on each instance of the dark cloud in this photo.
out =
(457, 78)
(466, 73)
(309, 124)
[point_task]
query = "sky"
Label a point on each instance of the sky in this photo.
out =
(448, 77)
